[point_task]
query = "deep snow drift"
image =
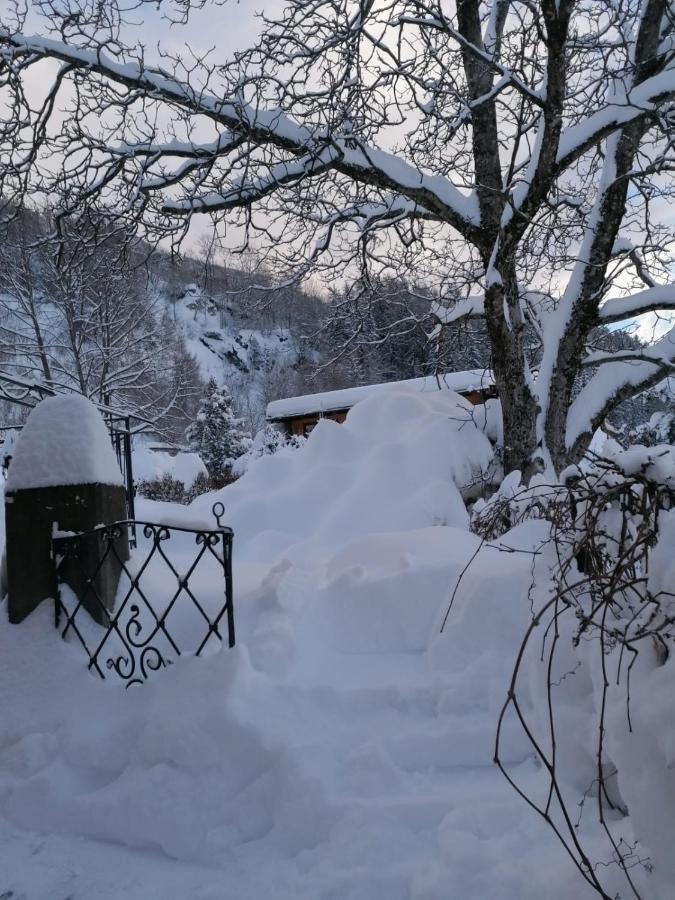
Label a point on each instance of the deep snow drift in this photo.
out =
(343, 750)
(398, 462)
(149, 464)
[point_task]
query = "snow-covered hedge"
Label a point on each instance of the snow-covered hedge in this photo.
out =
(593, 680)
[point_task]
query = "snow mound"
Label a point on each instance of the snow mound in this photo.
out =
(64, 441)
(343, 749)
(383, 593)
(173, 766)
(399, 462)
(149, 464)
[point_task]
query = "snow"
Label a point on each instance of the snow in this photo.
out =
(466, 307)
(617, 309)
(655, 463)
(368, 475)
(343, 750)
(346, 778)
(223, 349)
(149, 464)
(474, 379)
(242, 189)
(271, 126)
(461, 204)
(613, 377)
(621, 110)
(64, 441)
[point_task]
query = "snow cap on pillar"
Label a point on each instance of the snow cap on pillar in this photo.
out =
(64, 441)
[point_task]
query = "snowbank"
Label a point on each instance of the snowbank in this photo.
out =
(173, 767)
(343, 750)
(149, 464)
(64, 441)
(399, 462)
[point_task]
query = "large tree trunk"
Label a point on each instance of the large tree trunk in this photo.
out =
(519, 416)
(525, 449)
(519, 405)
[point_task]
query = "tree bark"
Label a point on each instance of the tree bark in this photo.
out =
(519, 405)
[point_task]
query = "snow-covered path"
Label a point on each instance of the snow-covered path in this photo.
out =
(343, 749)
(351, 775)
(394, 800)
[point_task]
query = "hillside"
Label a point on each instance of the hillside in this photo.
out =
(99, 314)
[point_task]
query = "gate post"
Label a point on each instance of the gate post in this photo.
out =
(63, 476)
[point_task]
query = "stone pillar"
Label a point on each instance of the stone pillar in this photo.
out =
(32, 515)
(63, 476)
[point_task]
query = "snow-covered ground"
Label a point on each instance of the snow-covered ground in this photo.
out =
(149, 463)
(343, 750)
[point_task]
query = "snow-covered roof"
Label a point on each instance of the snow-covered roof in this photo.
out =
(64, 441)
(328, 401)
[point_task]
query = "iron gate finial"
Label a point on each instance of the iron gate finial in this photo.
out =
(218, 510)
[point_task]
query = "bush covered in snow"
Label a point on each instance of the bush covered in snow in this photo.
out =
(267, 441)
(167, 489)
(164, 488)
(589, 678)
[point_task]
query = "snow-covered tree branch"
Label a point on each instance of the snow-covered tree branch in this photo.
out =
(76, 314)
(516, 157)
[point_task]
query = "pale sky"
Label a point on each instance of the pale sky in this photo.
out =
(223, 27)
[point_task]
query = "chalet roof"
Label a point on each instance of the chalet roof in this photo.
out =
(329, 401)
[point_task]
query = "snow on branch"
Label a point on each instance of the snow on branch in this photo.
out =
(466, 308)
(644, 354)
(366, 217)
(263, 127)
(616, 380)
(178, 149)
(243, 192)
(442, 24)
(641, 100)
(618, 309)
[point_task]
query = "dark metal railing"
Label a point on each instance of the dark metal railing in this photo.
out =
(21, 391)
(156, 615)
(119, 428)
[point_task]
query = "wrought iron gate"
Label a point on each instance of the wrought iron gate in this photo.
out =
(161, 610)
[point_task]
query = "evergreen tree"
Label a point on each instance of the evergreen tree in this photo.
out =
(216, 434)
